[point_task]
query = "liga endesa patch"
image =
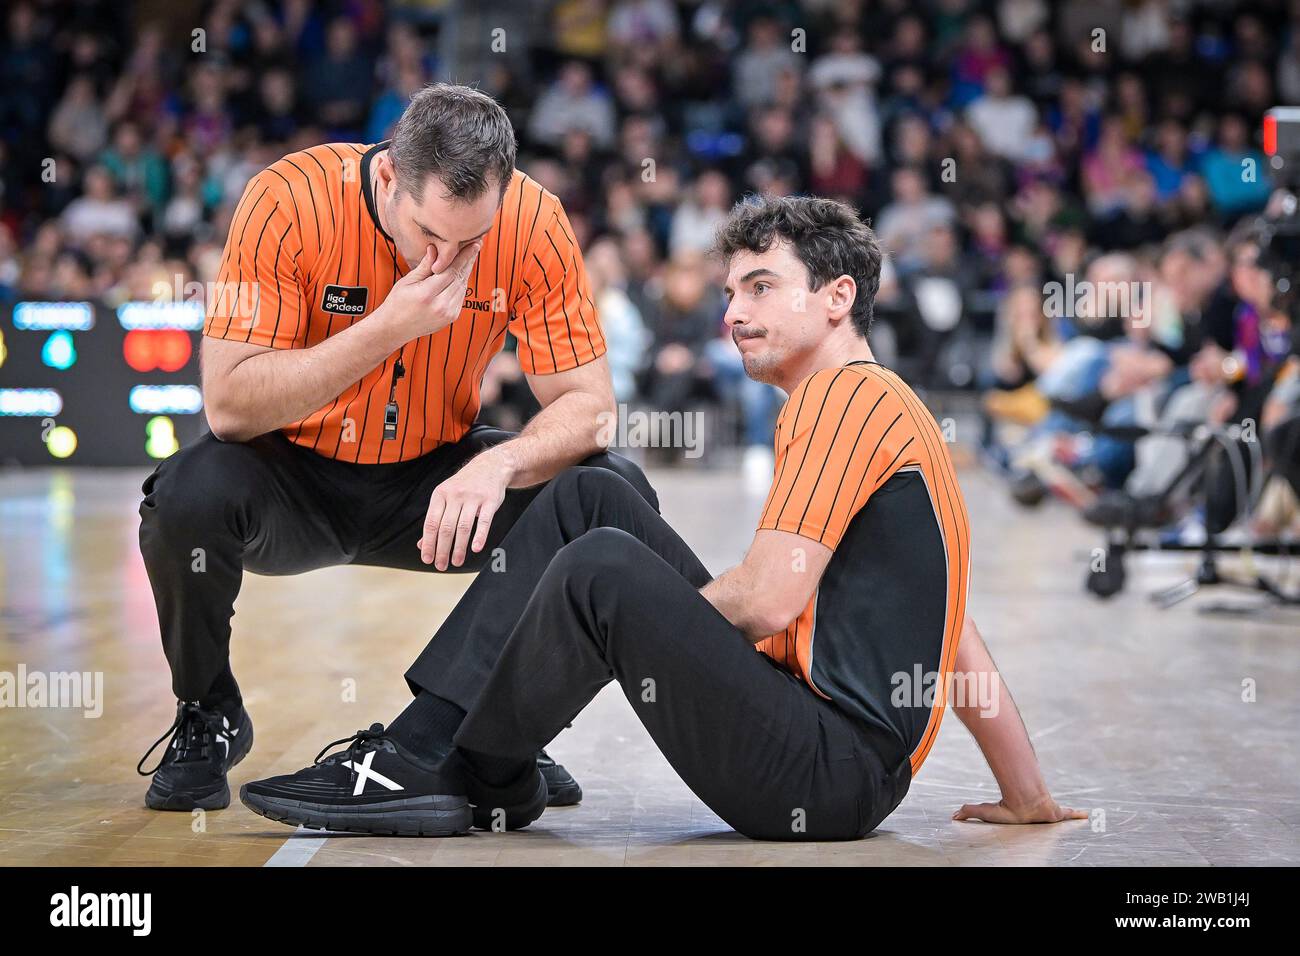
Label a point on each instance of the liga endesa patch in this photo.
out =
(345, 299)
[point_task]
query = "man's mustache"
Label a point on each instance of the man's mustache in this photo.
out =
(739, 332)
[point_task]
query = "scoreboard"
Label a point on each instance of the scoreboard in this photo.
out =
(84, 383)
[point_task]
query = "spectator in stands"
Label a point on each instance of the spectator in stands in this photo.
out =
(100, 212)
(1235, 172)
(683, 317)
(766, 55)
(1169, 161)
(625, 333)
(976, 59)
(844, 80)
(904, 225)
(697, 218)
(339, 82)
(138, 171)
(78, 125)
(977, 176)
(184, 213)
(834, 171)
(1108, 170)
(1024, 341)
(1004, 120)
(652, 25)
(574, 102)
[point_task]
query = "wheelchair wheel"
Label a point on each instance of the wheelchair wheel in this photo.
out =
(1109, 580)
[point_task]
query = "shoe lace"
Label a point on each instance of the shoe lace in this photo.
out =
(193, 729)
(356, 745)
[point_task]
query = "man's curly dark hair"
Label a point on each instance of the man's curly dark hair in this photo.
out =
(829, 238)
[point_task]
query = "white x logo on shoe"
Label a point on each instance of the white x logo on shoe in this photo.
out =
(364, 773)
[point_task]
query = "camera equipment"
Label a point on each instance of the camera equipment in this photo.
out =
(1107, 577)
(1279, 248)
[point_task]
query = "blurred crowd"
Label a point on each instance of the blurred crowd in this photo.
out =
(999, 147)
(1161, 389)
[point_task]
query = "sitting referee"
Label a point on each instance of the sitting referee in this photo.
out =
(362, 292)
(789, 693)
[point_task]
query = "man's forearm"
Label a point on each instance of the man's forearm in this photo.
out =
(729, 592)
(561, 434)
(995, 723)
(272, 389)
(744, 600)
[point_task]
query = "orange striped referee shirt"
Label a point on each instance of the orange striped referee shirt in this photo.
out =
(306, 237)
(862, 467)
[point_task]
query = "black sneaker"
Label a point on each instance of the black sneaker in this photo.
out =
(510, 807)
(204, 745)
(561, 789)
(375, 786)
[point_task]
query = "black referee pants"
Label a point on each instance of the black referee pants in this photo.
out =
(597, 587)
(216, 509)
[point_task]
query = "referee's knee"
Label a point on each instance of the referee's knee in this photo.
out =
(626, 469)
(602, 561)
(600, 549)
(588, 484)
(198, 480)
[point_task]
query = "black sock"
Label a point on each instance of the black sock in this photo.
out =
(497, 771)
(223, 695)
(427, 725)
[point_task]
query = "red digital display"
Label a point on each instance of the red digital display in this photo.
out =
(164, 349)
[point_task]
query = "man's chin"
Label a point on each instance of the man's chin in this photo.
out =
(761, 368)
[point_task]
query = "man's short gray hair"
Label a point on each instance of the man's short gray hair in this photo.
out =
(457, 134)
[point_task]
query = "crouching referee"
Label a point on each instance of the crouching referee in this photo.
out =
(362, 292)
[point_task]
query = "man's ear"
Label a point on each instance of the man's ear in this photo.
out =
(384, 169)
(841, 294)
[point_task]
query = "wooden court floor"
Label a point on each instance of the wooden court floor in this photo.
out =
(1137, 714)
